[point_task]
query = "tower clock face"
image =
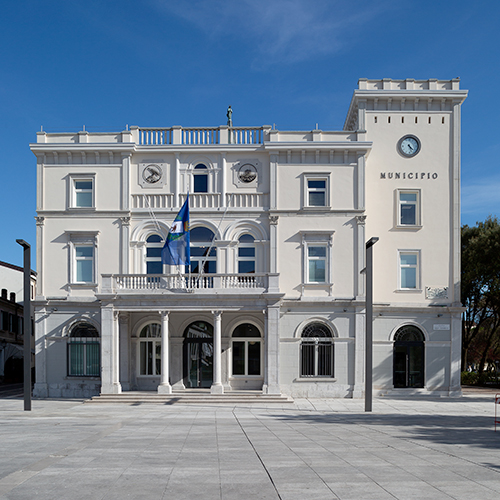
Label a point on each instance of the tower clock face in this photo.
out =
(409, 145)
(152, 174)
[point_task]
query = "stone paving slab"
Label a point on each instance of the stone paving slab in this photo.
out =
(408, 448)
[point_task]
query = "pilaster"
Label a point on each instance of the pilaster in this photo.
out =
(41, 389)
(272, 344)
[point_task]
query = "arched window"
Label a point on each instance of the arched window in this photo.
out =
(246, 254)
(408, 360)
(316, 351)
(154, 244)
(200, 179)
(246, 350)
(202, 256)
(83, 351)
(150, 350)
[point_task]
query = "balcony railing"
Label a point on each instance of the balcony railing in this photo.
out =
(190, 283)
(195, 136)
(200, 200)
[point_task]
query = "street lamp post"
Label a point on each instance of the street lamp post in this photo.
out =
(27, 324)
(369, 325)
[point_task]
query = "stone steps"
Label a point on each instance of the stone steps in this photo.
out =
(190, 397)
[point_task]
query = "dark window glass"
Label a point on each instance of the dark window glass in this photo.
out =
(238, 358)
(253, 358)
(201, 183)
(154, 268)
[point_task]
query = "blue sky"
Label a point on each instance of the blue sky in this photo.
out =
(294, 63)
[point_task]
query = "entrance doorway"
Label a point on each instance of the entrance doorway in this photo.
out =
(198, 356)
(408, 360)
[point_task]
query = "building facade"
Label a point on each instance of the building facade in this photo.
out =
(11, 322)
(274, 297)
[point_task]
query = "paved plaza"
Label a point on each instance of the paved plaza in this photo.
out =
(407, 448)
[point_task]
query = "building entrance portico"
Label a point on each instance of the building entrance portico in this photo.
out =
(165, 351)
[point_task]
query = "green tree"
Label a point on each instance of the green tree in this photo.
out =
(480, 287)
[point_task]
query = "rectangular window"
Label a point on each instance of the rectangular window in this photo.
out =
(83, 193)
(408, 270)
(83, 357)
(316, 259)
(316, 192)
(84, 264)
(408, 208)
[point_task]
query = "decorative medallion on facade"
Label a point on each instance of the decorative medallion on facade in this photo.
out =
(436, 292)
(246, 173)
(152, 175)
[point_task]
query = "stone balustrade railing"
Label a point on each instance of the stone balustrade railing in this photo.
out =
(192, 283)
(199, 135)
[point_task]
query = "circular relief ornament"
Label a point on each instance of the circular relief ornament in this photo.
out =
(152, 174)
(409, 146)
(247, 173)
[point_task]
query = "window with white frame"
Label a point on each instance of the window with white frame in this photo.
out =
(408, 207)
(316, 351)
(83, 248)
(84, 264)
(316, 190)
(83, 351)
(82, 191)
(246, 254)
(154, 245)
(316, 263)
(409, 270)
(317, 251)
(150, 350)
(246, 350)
(203, 252)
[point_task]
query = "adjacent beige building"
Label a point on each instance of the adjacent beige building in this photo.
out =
(274, 297)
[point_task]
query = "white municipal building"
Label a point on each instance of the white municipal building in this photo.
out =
(275, 297)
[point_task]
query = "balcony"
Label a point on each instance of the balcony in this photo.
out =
(142, 284)
(200, 200)
(199, 136)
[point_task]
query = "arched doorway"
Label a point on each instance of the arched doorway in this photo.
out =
(408, 360)
(198, 355)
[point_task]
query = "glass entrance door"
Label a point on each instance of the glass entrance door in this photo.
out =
(199, 362)
(408, 364)
(198, 355)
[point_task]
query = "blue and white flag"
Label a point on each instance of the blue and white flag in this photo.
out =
(176, 249)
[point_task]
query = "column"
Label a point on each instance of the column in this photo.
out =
(123, 323)
(41, 389)
(273, 243)
(359, 353)
(116, 355)
(109, 355)
(272, 339)
(222, 179)
(125, 243)
(217, 387)
(164, 387)
(177, 174)
(455, 354)
(125, 180)
(359, 265)
(39, 254)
